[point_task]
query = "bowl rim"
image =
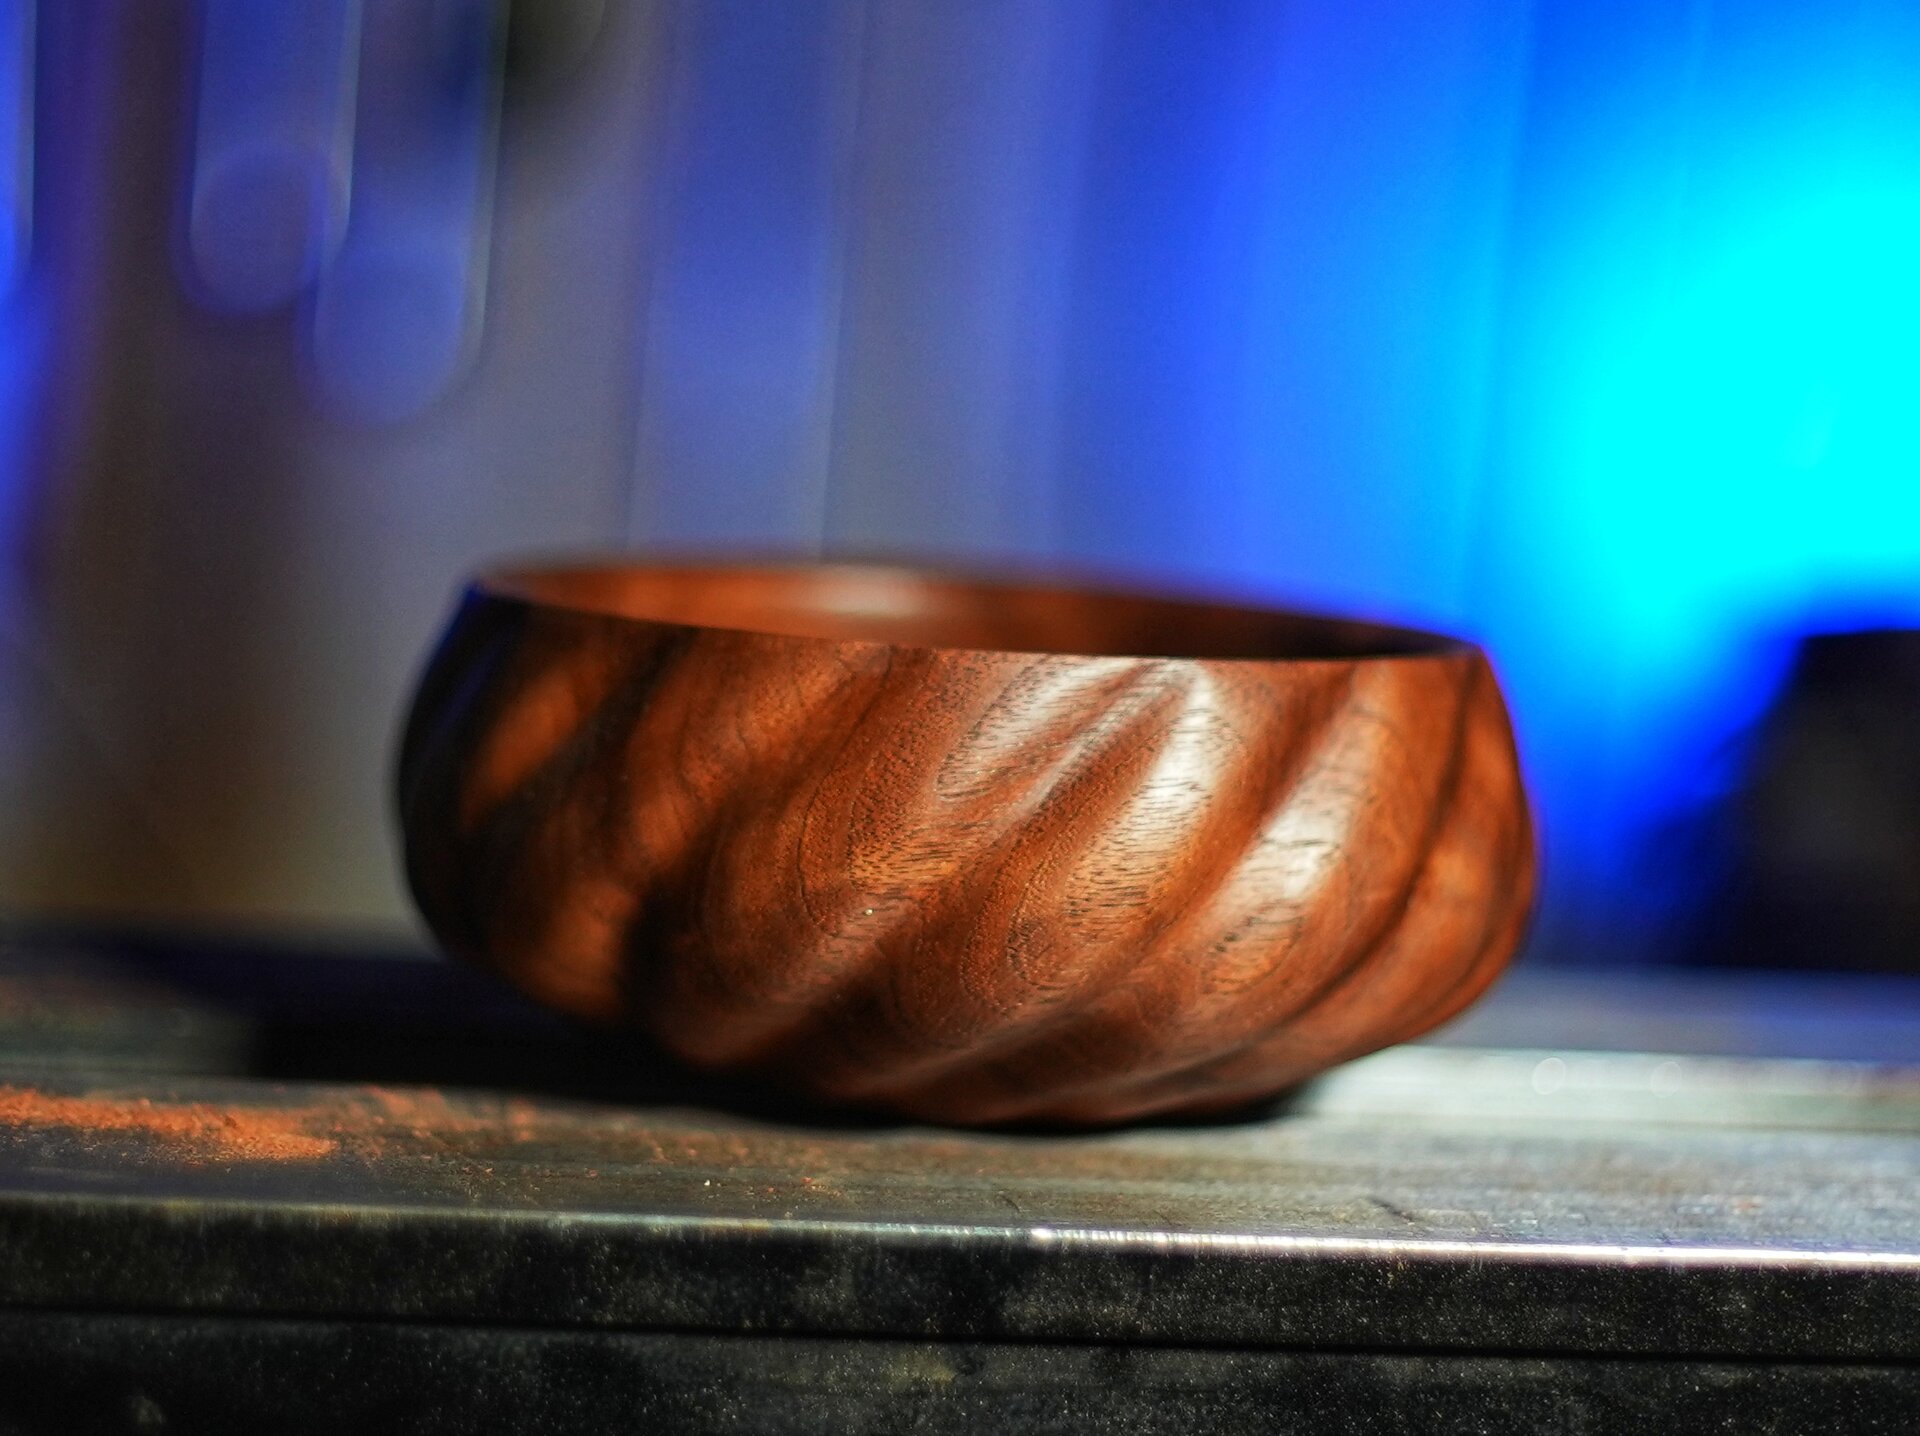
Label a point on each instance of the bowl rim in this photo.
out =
(532, 580)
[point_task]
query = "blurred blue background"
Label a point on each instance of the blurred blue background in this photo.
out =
(1591, 331)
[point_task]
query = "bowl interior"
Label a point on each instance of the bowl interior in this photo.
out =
(916, 608)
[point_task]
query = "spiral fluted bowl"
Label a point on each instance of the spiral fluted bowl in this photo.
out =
(968, 851)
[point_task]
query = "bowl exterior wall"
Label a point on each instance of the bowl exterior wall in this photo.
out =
(966, 886)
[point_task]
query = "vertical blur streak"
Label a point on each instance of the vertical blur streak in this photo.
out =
(23, 331)
(973, 140)
(1379, 194)
(1200, 290)
(1203, 291)
(742, 321)
(1159, 311)
(272, 147)
(396, 315)
(16, 139)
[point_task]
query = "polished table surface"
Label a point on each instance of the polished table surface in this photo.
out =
(1587, 1194)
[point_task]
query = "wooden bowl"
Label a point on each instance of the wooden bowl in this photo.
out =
(970, 851)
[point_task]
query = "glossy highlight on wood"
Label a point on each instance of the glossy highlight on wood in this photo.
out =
(966, 850)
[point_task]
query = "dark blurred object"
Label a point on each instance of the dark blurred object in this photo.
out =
(1821, 839)
(548, 40)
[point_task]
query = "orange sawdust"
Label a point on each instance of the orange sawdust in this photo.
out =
(201, 1129)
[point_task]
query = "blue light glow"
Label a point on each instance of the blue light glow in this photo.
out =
(1711, 429)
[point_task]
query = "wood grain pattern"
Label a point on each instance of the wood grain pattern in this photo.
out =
(968, 851)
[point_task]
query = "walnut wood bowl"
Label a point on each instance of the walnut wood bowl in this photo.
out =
(970, 851)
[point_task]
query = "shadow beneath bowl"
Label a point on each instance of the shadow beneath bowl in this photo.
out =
(121, 1008)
